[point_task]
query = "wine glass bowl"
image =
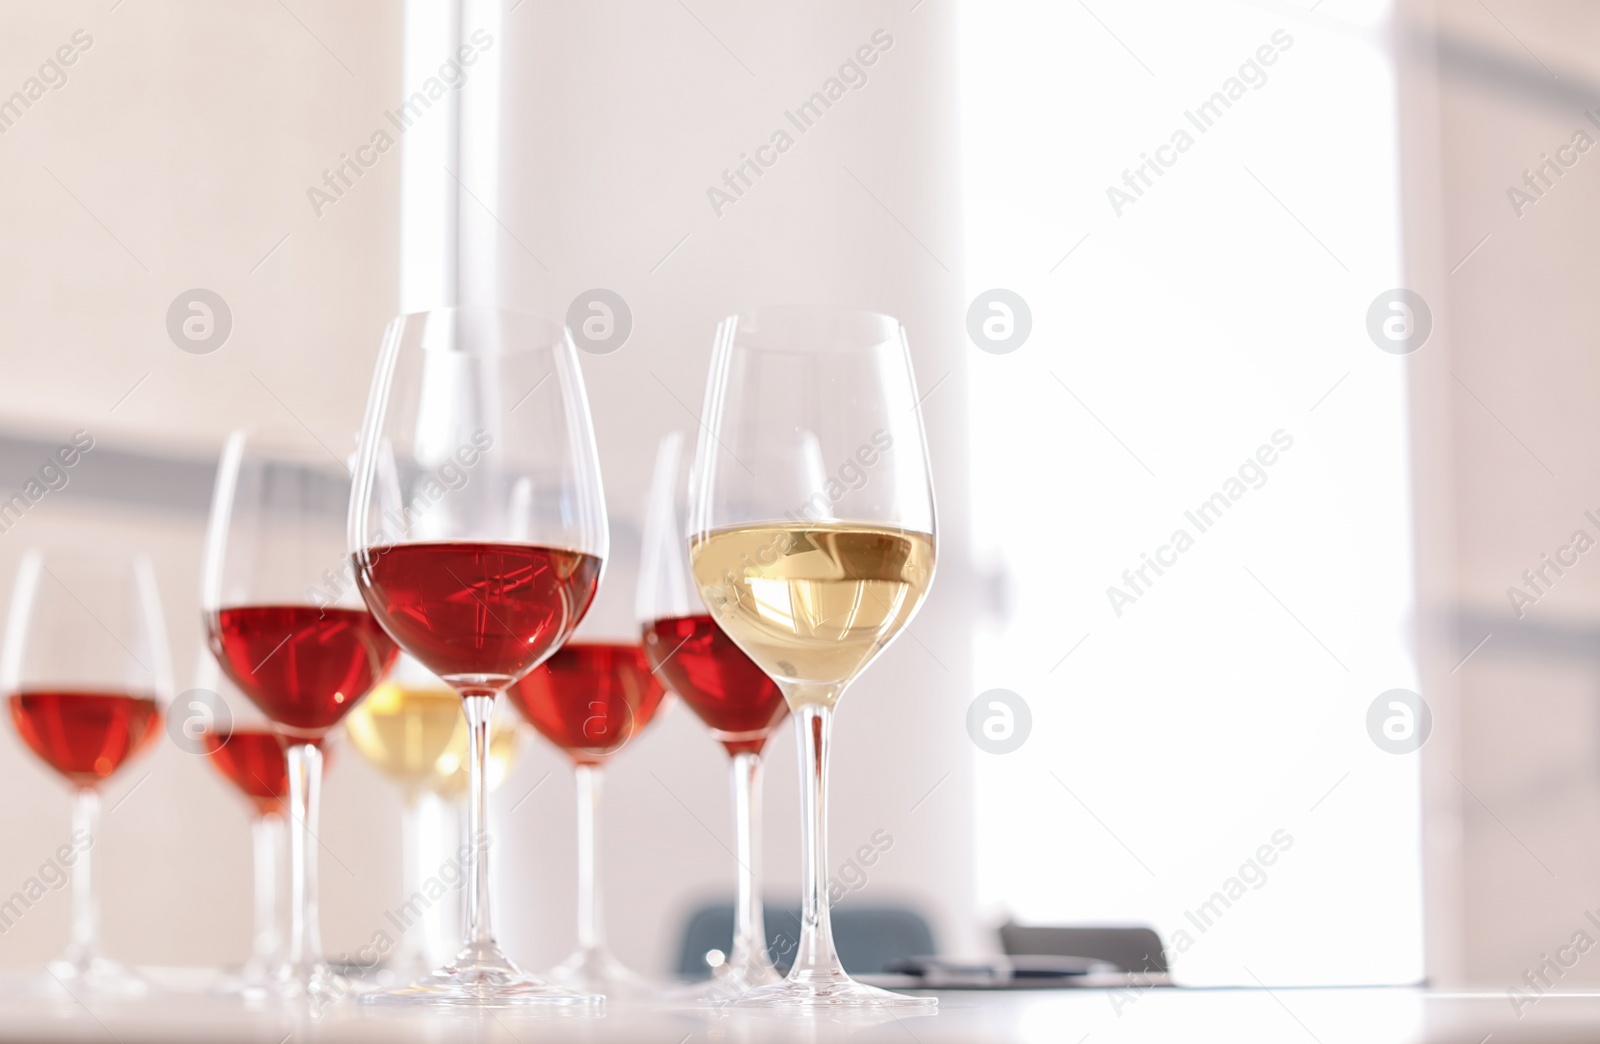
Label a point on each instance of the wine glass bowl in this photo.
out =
(305, 666)
(739, 704)
(477, 533)
(811, 539)
(85, 735)
(590, 698)
(531, 596)
(813, 603)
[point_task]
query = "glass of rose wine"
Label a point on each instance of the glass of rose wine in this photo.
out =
(411, 729)
(86, 672)
(811, 538)
(247, 751)
(590, 699)
(736, 700)
(478, 531)
(287, 626)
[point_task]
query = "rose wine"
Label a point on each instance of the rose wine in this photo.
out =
(479, 615)
(590, 698)
(418, 737)
(813, 604)
(84, 735)
(722, 685)
(253, 760)
(304, 666)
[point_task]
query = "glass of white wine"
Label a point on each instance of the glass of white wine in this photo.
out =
(811, 539)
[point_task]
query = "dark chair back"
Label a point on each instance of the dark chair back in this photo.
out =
(868, 937)
(1133, 949)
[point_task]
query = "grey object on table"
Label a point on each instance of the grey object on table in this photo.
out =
(868, 937)
(1133, 949)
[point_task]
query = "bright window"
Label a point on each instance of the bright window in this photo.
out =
(1199, 331)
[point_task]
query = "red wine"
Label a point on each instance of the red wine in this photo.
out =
(700, 663)
(84, 735)
(478, 615)
(304, 666)
(590, 698)
(253, 760)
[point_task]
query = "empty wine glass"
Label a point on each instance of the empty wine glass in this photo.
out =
(812, 543)
(478, 531)
(287, 626)
(741, 706)
(86, 672)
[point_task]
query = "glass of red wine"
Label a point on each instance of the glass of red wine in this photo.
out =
(218, 721)
(287, 626)
(736, 700)
(590, 699)
(478, 531)
(86, 673)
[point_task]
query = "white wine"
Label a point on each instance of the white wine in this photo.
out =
(454, 772)
(812, 604)
(418, 736)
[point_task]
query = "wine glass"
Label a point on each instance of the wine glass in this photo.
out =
(811, 540)
(86, 671)
(287, 626)
(411, 729)
(741, 706)
(245, 749)
(590, 699)
(478, 530)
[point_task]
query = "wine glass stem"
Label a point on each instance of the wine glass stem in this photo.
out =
(591, 932)
(816, 954)
(305, 798)
(85, 898)
(480, 711)
(749, 921)
(266, 832)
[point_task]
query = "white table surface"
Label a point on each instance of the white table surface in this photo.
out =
(1238, 1016)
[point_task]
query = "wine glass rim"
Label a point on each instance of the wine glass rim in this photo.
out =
(382, 548)
(796, 308)
(478, 310)
(550, 333)
(283, 445)
(811, 525)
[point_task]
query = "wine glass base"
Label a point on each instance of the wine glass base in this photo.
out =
(248, 982)
(594, 970)
(388, 975)
(728, 984)
(824, 993)
(317, 986)
(92, 977)
(483, 977)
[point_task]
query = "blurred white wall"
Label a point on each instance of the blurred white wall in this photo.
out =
(1504, 436)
